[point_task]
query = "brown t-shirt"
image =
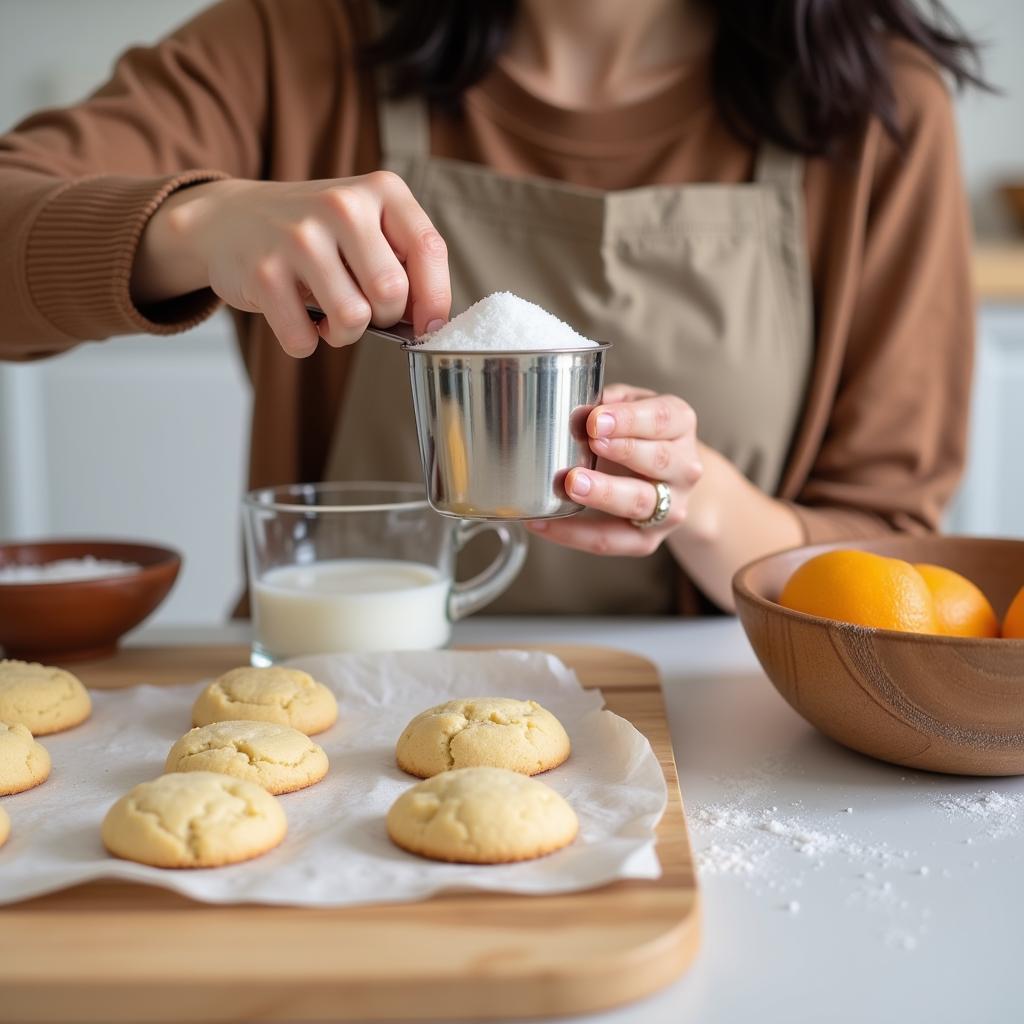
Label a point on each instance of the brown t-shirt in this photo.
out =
(270, 89)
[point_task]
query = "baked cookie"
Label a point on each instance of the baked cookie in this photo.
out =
(43, 699)
(23, 762)
(282, 695)
(5, 826)
(277, 757)
(194, 820)
(481, 816)
(516, 734)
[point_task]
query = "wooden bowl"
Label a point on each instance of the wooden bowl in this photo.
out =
(946, 704)
(74, 620)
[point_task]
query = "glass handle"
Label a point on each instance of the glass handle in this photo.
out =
(471, 595)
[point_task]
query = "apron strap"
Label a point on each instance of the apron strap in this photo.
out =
(404, 127)
(774, 165)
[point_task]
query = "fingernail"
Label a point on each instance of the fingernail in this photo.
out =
(605, 424)
(434, 325)
(538, 525)
(602, 443)
(580, 484)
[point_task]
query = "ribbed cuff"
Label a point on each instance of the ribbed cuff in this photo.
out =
(81, 250)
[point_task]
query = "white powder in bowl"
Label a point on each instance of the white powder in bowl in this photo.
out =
(503, 322)
(66, 569)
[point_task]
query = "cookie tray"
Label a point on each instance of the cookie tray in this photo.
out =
(111, 952)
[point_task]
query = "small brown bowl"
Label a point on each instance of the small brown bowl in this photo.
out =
(73, 620)
(942, 703)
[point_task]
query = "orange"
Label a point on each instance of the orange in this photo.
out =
(1013, 621)
(862, 588)
(961, 609)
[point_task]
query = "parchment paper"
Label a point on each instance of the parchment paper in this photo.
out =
(337, 851)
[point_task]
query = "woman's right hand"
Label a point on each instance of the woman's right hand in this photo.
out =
(361, 249)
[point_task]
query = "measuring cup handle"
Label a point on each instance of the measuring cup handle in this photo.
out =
(471, 595)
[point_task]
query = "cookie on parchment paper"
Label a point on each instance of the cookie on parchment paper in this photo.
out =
(194, 820)
(495, 732)
(24, 763)
(43, 699)
(277, 757)
(481, 816)
(276, 694)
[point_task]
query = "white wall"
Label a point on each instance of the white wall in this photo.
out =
(992, 127)
(54, 51)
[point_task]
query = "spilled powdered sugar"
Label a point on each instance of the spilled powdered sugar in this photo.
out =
(746, 841)
(996, 815)
(775, 852)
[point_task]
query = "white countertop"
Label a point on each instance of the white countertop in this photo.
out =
(899, 909)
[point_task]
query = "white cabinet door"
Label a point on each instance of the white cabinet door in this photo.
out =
(991, 499)
(134, 438)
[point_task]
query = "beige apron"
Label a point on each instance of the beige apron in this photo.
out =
(704, 290)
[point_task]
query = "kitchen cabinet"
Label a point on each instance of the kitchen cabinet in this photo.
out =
(137, 437)
(991, 497)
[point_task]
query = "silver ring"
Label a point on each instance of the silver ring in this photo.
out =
(661, 507)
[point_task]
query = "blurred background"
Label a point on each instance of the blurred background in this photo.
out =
(146, 438)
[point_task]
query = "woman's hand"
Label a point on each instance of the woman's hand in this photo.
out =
(639, 437)
(361, 249)
(712, 528)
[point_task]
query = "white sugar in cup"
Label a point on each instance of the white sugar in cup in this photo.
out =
(501, 396)
(504, 322)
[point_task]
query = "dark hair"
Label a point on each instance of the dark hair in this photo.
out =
(805, 74)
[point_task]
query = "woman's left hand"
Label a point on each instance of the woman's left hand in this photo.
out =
(639, 437)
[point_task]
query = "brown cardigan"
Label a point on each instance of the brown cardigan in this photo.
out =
(269, 89)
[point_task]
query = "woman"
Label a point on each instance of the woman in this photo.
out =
(760, 204)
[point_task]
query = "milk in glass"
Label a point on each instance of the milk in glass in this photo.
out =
(351, 604)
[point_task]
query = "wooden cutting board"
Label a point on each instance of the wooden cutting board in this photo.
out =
(113, 952)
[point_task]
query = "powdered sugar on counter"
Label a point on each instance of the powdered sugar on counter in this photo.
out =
(778, 849)
(66, 570)
(755, 842)
(504, 322)
(993, 814)
(776, 853)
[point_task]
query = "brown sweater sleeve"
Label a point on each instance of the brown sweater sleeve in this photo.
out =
(898, 280)
(77, 185)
